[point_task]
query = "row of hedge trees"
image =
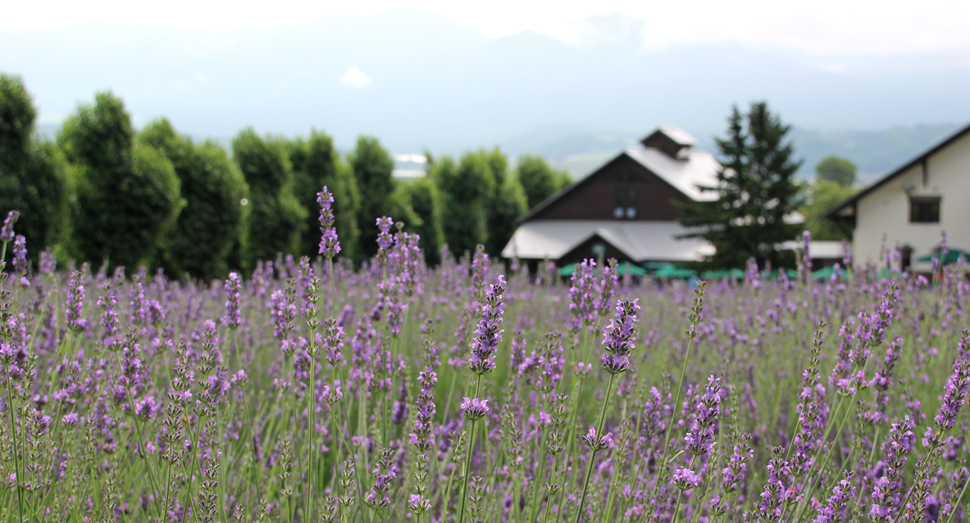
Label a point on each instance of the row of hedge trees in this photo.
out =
(104, 192)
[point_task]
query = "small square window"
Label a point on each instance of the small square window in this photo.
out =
(924, 209)
(624, 202)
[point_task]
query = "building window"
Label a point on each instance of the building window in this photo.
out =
(624, 202)
(924, 209)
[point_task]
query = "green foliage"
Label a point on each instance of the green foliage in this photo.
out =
(821, 196)
(276, 219)
(426, 202)
(127, 194)
(17, 116)
(317, 164)
(373, 167)
(465, 190)
(213, 217)
(33, 174)
(538, 180)
(756, 190)
(401, 210)
(100, 138)
(506, 203)
(836, 169)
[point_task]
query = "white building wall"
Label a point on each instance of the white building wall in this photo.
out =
(885, 211)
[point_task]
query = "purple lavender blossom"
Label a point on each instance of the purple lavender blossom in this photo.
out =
(488, 334)
(75, 303)
(6, 232)
(701, 437)
(474, 408)
(620, 338)
(47, 262)
(595, 443)
(607, 287)
(329, 244)
(835, 509)
(20, 260)
(686, 479)
(384, 239)
(233, 314)
(583, 305)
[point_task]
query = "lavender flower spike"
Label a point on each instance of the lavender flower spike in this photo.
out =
(620, 337)
(474, 408)
(20, 260)
(6, 232)
(233, 317)
(75, 303)
(488, 334)
(329, 245)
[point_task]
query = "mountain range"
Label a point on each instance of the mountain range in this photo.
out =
(419, 81)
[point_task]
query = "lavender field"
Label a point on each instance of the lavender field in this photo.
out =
(468, 392)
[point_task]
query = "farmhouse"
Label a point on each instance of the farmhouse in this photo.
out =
(625, 209)
(909, 208)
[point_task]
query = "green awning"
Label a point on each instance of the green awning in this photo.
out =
(773, 275)
(567, 270)
(720, 274)
(952, 256)
(634, 270)
(674, 272)
(827, 272)
(621, 269)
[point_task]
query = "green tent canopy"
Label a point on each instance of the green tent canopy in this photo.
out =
(952, 256)
(673, 272)
(621, 269)
(827, 272)
(720, 274)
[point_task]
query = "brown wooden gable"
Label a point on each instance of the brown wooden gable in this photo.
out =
(624, 183)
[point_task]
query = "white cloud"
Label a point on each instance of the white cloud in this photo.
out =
(355, 78)
(202, 78)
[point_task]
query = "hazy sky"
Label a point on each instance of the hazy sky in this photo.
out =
(816, 27)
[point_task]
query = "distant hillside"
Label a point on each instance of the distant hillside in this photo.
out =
(874, 152)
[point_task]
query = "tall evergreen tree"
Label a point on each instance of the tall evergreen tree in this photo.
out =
(214, 190)
(506, 203)
(538, 180)
(426, 203)
(33, 174)
(373, 168)
(756, 193)
(127, 193)
(316, 164)
(276, 219)
(465, 189)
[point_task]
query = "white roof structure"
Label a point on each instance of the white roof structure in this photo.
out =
(696, 168)
(819, 250)
(678, 135)
(640, 240)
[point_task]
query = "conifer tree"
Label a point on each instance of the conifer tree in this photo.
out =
(316, 163)
(276, 219)
(756, 193)
(214, 215)
(33, 173)
(128, 194)
(373, 170)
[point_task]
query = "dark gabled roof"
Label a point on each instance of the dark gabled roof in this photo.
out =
(684, 178)
(833, 212)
